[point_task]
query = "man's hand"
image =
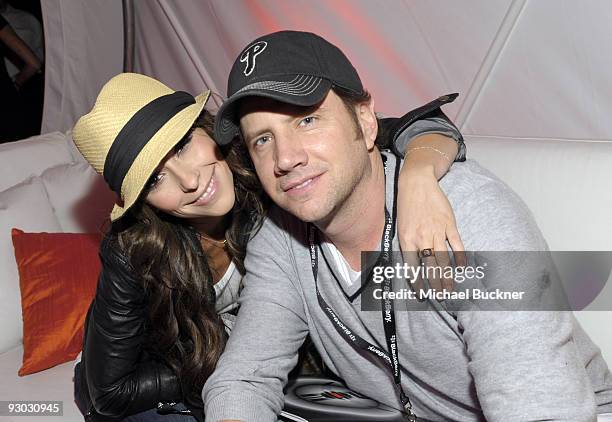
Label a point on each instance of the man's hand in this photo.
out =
(425, 219)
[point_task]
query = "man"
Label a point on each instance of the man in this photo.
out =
(311, 137)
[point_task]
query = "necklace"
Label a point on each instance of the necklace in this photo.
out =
(214, 242)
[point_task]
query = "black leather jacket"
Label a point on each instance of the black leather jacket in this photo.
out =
(117, 376)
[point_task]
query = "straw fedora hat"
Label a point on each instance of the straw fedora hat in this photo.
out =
(134, 123)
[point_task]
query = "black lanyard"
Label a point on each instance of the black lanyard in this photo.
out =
(390, 359)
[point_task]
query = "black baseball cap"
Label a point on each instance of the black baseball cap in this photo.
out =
(293, 67)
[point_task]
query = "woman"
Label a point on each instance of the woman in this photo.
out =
(172, 260)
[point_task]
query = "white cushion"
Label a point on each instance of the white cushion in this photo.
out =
(25, 207)
(52, 384)
(565, 184)
(80, 197)
(30, 157)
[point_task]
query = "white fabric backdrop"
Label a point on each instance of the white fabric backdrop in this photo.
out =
(542, 61)
(533, 69)
(84, 48)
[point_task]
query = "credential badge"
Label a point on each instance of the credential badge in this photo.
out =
(250, 54)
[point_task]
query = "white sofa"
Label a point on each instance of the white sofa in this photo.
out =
(46, 186)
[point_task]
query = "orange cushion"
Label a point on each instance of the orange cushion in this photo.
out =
(58, 274)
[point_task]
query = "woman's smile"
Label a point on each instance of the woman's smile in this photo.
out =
(209, 193)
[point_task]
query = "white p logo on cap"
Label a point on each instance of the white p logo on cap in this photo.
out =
(249, 55)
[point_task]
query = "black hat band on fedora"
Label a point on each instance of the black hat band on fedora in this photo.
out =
(137, 132)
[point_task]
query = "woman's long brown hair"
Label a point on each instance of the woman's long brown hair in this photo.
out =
(183, 327)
